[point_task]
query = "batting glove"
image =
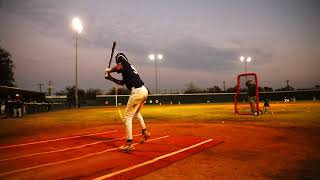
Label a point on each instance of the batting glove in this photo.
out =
(107, 70)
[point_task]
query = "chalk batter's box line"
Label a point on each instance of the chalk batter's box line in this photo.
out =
(65, 149)
(72, 159)
(111, 175)
(57, 139)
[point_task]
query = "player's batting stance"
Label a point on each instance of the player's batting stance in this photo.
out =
(138, 96)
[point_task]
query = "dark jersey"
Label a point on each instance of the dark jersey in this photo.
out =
(17, 103)
(130, 76)
(252, 90)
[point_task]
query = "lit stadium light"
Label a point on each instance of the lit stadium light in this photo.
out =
(77, 25)
(152, 57)
(160, 56)
(245, 60)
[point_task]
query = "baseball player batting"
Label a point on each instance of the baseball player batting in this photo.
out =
(138, 95)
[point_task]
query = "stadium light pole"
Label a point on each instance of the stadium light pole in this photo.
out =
(245, 60)
(77, 27)
(155, 58)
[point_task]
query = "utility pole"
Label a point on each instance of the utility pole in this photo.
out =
(40, 86)
(50, 88)
(287, 83)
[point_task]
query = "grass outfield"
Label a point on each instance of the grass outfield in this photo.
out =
(305, 114)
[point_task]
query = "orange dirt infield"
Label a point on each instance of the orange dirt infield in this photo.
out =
(95, 155)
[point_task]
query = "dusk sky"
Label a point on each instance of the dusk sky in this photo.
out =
(201, 41)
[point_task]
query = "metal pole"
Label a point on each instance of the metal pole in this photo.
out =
(156, 71)
(76, 88)
(245, 66)
(116, 94)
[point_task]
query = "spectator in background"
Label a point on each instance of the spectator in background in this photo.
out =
(8, 107)
(2, 107)
(266, 106)
(49, 106)
(17, 106)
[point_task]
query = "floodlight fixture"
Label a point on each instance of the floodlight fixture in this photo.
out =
(77, 25)
(152, 57)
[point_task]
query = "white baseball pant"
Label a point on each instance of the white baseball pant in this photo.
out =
(136, 100)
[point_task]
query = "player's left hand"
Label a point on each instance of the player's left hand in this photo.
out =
(107, 70)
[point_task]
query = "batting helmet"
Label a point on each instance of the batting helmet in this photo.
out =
(120, 57)
(249, 82)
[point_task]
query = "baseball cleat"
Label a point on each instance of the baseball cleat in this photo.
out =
(127, 148)
(145, 136)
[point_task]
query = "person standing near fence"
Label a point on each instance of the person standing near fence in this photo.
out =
(8, 107)
(17, 106)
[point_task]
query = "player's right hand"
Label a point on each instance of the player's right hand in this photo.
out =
(108, 76)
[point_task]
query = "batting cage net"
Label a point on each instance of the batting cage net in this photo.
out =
(246, 99)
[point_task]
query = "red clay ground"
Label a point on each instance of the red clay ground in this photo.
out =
(95, 155)
(248, 152)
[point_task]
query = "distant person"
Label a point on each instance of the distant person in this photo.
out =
(1, 107)
(8, 107)
(138, 96)
(252, 90)
(266, 106)
(48, 105)
(17, 106)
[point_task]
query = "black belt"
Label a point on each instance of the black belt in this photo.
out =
(135, 87)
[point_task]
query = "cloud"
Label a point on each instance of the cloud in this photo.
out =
(200, 37)
(46, 17)
(193, 54)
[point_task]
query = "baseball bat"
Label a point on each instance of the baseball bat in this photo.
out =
(112, 51)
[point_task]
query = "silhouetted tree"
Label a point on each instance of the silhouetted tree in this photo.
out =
(215, 89)
(61, 93)
(71, 96)
(191, 88)
(287, 88)
(267, 89)
(121, 91)
(232, 89)
(6, 68)
(92, 93)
